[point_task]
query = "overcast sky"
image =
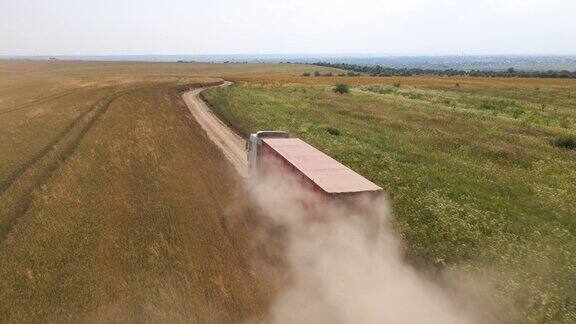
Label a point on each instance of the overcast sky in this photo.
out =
(57, 27)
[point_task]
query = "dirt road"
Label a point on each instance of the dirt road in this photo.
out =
(231, 144)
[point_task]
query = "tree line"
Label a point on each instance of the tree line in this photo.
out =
(378, 70)
(329, 74)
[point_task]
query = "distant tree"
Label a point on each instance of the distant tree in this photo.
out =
(341, 88)
(306, 74)
(328, 74)
(342, 74)
(380, 71)
(317, 73)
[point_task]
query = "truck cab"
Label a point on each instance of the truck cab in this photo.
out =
(253, 147)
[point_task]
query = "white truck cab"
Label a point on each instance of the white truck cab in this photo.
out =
(253, 146)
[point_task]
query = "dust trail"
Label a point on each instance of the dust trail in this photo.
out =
(344, 264)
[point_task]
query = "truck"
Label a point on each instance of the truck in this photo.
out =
(314, 169)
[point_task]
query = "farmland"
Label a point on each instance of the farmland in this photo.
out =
(108, 210)
(477, 183)
(114, 206)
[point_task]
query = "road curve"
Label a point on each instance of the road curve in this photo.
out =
(231, 144)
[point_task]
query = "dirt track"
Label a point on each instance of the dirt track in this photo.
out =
(231, 144)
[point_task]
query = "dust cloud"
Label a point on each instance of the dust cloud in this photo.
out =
(343, 262)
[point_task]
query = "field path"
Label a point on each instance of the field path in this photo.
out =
(231, 144)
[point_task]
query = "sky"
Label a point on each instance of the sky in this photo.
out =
(191, 27)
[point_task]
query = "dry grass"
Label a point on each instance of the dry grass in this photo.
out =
(108, 209)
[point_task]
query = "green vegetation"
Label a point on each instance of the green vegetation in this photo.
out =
(341, 88)
(566, 142)
(378, 70)
(326, 74)
(333, 131)
(475, 185)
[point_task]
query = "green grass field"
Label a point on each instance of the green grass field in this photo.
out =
(476, 184)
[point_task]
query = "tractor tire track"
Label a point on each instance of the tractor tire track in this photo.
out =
(13, 176)
(52, 156)
(35, 102)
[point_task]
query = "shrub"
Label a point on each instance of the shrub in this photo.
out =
(316, 73)
(306, 74)
(333, 131)
(397, 84)
(341, 88)
(565, 141)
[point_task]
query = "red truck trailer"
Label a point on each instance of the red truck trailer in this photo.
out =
(314, 169)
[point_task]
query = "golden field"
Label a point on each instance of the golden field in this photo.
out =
(114, 206)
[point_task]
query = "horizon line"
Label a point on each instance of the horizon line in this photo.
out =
(289, 54)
